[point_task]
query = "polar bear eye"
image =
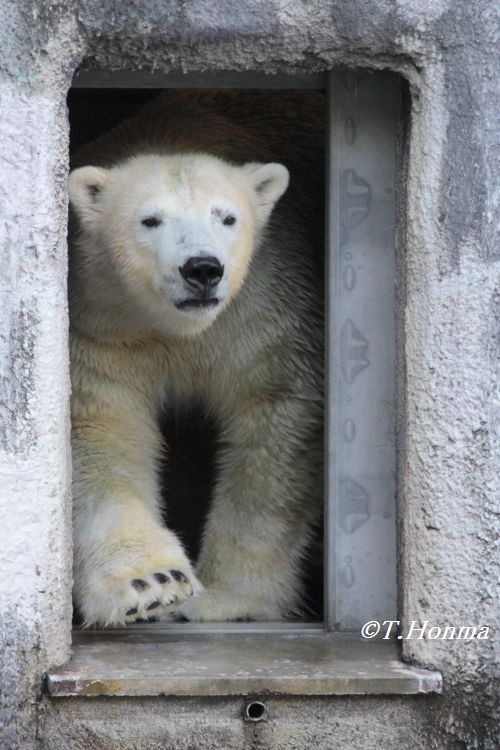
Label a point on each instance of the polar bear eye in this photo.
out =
(151, 221)
(229, 220)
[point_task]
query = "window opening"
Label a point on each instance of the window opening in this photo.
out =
(356, 558)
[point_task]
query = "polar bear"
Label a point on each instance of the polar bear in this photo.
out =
(181, 288)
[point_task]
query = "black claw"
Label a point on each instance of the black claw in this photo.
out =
(161, 577)
(180, 618)
(153, 605)
(132, 611)
(178, 575)
(139, 584)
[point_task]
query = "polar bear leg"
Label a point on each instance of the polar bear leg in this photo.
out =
(266, 500)
(128, 566)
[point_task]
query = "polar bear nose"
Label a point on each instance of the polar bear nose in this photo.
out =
(202, 272)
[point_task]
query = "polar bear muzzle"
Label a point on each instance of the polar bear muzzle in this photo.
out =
(201, 275)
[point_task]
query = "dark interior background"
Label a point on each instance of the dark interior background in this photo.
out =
(189, 474)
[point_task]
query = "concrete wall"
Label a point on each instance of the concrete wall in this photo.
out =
(446, 49)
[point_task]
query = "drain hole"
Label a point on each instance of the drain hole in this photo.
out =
(255, 711)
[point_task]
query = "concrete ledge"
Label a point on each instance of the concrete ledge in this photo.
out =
(158, 662)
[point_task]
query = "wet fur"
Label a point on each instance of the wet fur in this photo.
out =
(257, 369)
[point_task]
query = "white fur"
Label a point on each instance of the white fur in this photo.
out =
(190, 195)
(132, 349)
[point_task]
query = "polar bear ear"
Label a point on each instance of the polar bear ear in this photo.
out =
(85, 188)
(269, 182)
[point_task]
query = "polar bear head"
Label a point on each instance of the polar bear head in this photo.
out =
(173, 236)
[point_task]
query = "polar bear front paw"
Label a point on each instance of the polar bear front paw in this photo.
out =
(148, 589)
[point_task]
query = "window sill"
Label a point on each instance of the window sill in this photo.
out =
(159, 660)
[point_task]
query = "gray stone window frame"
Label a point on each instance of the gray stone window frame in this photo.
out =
(364, 139)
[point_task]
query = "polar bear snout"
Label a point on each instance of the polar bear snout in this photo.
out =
(202, 273)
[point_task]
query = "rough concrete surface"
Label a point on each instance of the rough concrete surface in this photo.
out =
(448, 51)
(217, 724)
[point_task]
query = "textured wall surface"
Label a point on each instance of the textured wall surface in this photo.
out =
(447, 49)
